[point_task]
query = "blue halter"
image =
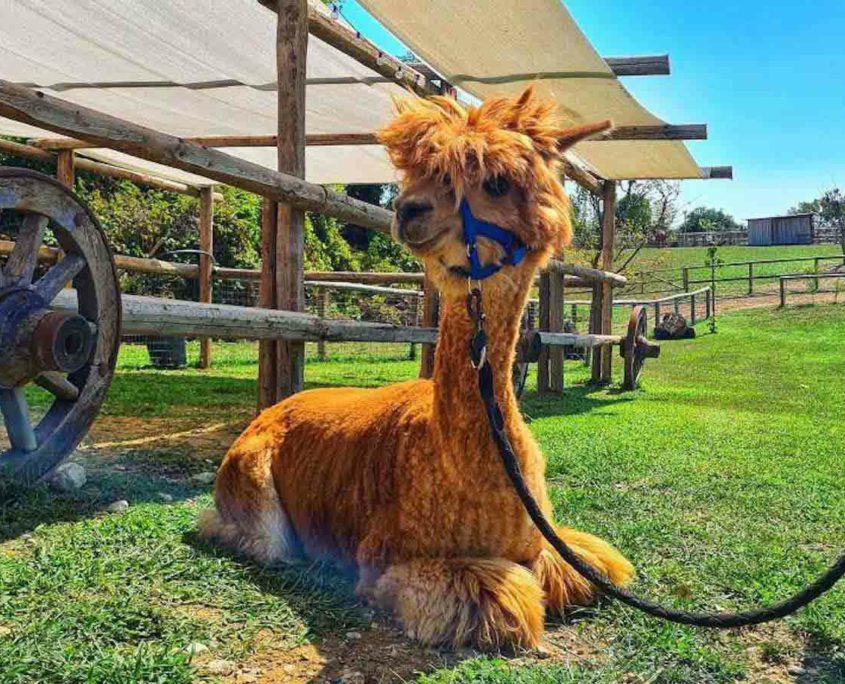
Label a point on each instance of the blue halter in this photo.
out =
(474, 228)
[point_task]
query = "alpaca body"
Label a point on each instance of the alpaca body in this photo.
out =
(404, 483)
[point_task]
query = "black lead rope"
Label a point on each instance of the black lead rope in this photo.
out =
(478, 356)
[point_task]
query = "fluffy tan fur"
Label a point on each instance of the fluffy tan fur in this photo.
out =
(403, 483)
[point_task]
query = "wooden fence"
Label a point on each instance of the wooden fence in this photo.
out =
(784, 279)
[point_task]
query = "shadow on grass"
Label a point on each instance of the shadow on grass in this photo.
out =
(323, 598)
(22, 509)
(575, 400)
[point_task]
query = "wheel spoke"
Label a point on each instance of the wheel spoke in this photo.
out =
(24, 257)
(58, 385)
(16, 415)
(53, 282)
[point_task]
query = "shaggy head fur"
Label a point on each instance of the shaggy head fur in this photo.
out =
(504, 156)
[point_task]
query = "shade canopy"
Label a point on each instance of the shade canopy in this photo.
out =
(205, 69)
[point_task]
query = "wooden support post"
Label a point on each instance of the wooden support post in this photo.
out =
(291, 52)
(685, 277)
(206, 262)
(65, 165)
(656, 316)
(750, 278)
(323, 301)
(692, 309)
(602, 359)
(782, 292)
(431, 316)
(545, 316)
(556, 325)
(267, 300)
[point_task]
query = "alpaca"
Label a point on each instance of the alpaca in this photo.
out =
(403, 483)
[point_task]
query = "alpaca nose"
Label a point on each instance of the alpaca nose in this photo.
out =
(407, 210)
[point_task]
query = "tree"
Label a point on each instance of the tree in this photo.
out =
(829, 209)
(644, 210)
(708, 219)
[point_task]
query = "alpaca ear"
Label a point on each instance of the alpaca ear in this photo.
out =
(576, 134)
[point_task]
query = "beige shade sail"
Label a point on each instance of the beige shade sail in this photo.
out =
(191, 68)
(489, 47)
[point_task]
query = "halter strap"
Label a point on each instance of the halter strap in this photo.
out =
(473, 228)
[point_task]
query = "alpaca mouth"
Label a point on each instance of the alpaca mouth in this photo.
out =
(421, 244)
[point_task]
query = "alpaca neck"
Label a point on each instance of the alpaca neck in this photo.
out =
(459, 410)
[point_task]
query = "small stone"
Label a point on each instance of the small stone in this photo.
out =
(353, 635)
(196, 647)
(164, 496)
(204, 478)
(68, 477)
(796, 670)
(352, 677)
(118, 506)
(219, 667)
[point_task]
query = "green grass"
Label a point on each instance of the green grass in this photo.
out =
(675, 258)
(721, 479)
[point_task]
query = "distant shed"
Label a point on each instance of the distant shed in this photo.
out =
(797, 229)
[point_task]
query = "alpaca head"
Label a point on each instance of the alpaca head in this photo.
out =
(503, 157)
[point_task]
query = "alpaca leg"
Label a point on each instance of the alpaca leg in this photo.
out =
(249, 518)
(488, 603)
(561, 582)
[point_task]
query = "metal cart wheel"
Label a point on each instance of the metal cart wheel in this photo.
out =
(70, 353)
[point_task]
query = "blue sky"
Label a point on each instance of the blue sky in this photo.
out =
(767, 77)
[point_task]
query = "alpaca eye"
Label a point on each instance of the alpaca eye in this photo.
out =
(497, 186)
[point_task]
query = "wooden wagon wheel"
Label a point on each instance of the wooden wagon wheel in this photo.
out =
(72, 355)
(636, 348)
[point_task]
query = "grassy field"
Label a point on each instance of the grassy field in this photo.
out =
(650, 260)
(722, 480)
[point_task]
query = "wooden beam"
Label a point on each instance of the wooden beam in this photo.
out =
(641, 65)
(364, 52)
(586, 273)
(158, 316)
(714, 172)
(582, 177)
(656, 132)
(102, 169)
(206, 227)
(44, 111)
(639, 132)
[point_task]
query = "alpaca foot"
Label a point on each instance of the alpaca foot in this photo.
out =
(563, 586)
(491, 604)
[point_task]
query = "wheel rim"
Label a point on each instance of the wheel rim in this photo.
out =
(634, 358)
(70, 353)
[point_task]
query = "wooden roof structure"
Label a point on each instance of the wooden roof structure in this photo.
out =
(229, 93)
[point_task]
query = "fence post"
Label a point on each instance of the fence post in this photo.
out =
(782, 292)
(692, 308)
(323, 300)
(685, 277)
(656, 315)
(545, 310)
(556, 325)
(816, 271)
(431, 315)
(206, 263)
(750, 278)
